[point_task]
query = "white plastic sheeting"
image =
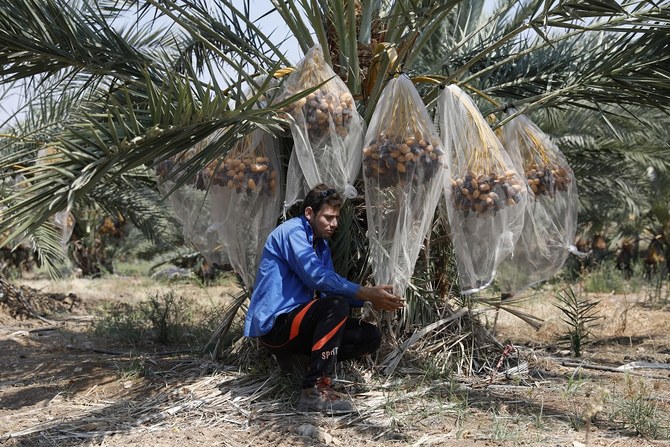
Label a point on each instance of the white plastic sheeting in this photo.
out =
(485, 195)
(63, 220)
(246, 195)
(404, 173)
(228, 209)
(551, 212)
(326, 128)
(191, 205)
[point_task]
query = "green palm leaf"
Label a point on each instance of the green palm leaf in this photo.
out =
(115, 99)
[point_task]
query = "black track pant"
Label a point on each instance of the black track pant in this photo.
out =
(323, 330)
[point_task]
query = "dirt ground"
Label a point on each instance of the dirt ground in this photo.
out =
(61, 385)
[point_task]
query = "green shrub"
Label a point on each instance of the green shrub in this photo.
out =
(605, 278)
(134, 267)
(164, 318)
(639, 412)
(169, 315)
(121, 321)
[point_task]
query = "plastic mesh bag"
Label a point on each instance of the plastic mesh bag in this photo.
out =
(404, 173)
(551, 212)
(246, 197)
(191, 205)
(63, 220)
(295, 182)
(485, 195)
(326, 128)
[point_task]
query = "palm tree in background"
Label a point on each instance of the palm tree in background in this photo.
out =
(113, 100)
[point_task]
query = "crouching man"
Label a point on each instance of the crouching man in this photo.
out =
(299, 305)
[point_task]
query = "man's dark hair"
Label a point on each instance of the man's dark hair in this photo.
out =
(319, 195)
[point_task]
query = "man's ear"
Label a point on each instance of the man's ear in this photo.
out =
(309, 212)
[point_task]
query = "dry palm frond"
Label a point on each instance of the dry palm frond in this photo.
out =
(228, 318)
(531, 320)
(512, 305)
(138, 83)
(22, 301)
(392, 360)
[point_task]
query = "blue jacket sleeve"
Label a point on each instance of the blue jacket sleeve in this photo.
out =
(352, 301)
(313, 272)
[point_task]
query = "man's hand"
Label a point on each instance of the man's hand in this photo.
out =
(381, 297)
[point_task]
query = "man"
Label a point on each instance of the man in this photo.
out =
(300, 305)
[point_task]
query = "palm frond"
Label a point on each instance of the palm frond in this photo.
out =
(113, 99)
(43, 38)
(349, 244)
(225, 34)
(119, 139)
(613, 64)
(290, 12)
(134, 197)
(611, 157)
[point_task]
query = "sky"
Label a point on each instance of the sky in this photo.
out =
(272, 23)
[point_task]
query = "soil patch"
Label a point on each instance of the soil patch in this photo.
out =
(63, 385)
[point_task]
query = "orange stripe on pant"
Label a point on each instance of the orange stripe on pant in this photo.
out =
(295, 325)
(328, 336)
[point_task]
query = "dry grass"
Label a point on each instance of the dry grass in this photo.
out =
(65, 386)
(130, 289)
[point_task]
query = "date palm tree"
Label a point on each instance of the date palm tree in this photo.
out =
(128, 84)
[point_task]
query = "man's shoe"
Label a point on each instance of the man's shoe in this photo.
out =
(322, 398)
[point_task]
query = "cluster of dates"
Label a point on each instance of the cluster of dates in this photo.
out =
(397, 160)
(485, 194)
(166, 168)
(243, 174)
(547, 180)
(247, 174)
(321, 107)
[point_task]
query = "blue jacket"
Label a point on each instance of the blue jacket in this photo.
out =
(291, 270)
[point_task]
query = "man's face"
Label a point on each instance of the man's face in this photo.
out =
(324, 222)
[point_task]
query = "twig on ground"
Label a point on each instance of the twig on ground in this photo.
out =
(130, 353)
(509, 348)
(614, 369)
(393, 359)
